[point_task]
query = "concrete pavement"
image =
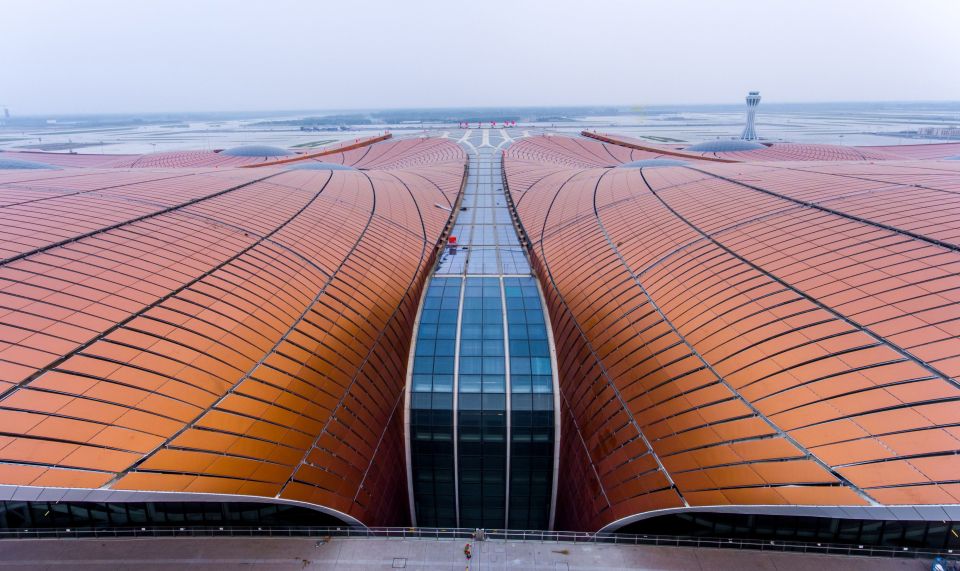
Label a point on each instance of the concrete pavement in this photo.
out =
(214, 553)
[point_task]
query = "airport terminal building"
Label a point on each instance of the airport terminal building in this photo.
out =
(486, 328)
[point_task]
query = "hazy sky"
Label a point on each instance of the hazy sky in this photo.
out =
(71, 56)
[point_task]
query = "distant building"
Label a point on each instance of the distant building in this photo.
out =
(750, 132)
(940, 132)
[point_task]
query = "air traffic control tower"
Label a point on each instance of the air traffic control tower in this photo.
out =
(750, 132)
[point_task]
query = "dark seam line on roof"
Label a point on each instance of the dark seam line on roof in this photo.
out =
(376, 448)
(155, 413)
(321, 389)
(431, 158)
(783, 434)
(388, 157)
(879, 435)
(209, 298)
(668, 382)
(841, 373)
(872, 191)
(379, 159)
(413, 173)
(93, 399)
(136, 368)
(906, 457)
(812, 299)
(615, 159)
(143, 310)
(178, 326)
(863, 178)
(354, 410)
(915, 484)
(735, 284)
(248, 436)
(28, 436)
(578, 140)
(152, 203)
(629, 198)
(253, 418)
(593, 467)
(379, 440)
(829, 398)
(720, 305)
(711, 424)
(926, 168)
(949, 304)
(559, 227)
(886, 269)
(130, 221)
(676, 184)
(192, 317)
(653, 355)
(49, 466)
(817, 206)
(63, 174)
(165, 395)
(804, 343)
(636, 475)
(256, 235)
(230, 391)
(418, 271)
(79, 192)
(805, 296)
(773, 486)
(283, 300)
(832, 375)
(549, 148)
(899, 287)
(764, 309)
(750, 463)
(242, 479)
(343, 156)
(723, 443)
(603, 371)
(731, 398)
(854, 415)
(536, 182)
(32, 331)
(252, 286)
(634, 333)
(220, 454)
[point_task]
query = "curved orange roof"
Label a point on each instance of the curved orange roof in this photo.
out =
(768, 337)
(781, 152)
(747, 335)
(229, 331)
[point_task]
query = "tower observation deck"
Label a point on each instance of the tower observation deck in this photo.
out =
(482, 428)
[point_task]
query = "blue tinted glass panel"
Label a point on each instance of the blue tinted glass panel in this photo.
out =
(431, 406)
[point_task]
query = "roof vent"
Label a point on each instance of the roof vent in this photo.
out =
(19, 164)
(652, 163)
(257, 151)
(725, 146)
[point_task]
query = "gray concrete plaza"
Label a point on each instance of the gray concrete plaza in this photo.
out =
(210, 553)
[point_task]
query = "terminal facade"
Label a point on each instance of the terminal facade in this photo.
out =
(486, 328)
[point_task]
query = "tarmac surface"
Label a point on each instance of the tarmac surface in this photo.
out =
(208, 553)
